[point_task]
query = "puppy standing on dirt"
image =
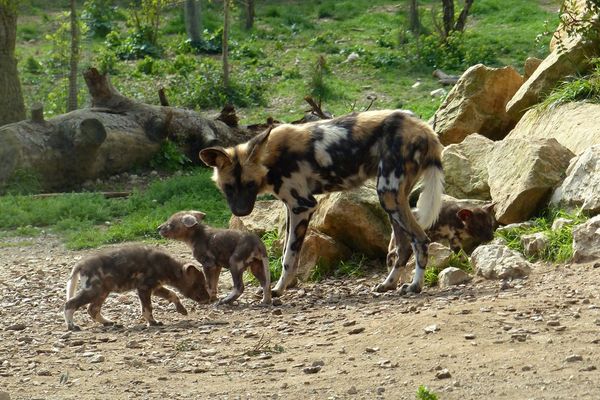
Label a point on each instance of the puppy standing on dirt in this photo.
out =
(295, 162)
(216, 248)
(135, 267)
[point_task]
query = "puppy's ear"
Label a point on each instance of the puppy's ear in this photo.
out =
(191, 270)
(199, 215)
(257, 144)
(215, 157)
(464, 214)
(189, 220)
(489, 208)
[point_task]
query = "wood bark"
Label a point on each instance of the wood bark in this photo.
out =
(447, 16)
(12, 106)
(193, 25)
(462, 17)
(413, 18)
(113, 136)
(74, 61)
(249, 14)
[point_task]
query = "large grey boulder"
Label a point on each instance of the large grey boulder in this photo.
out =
(476, 104)
(522, 174)
(356, 219)
(574, 125)
(586, 241)
(581, 187)
(465, 168)
(556, 67)
(496, 261)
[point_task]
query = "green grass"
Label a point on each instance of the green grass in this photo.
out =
(581, 88)
(271, 241)
(89, 220)
(423, 393)
(560, 242)
(355, 267)
(272, 64)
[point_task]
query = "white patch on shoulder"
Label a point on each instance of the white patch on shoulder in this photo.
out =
(331, 134)
(417, 156)
(84, 282)
(389, 183)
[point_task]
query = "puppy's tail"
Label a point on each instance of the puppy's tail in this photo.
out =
(430, 200)
(72, 282)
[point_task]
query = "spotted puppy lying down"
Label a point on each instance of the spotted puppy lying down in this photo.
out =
(135, 267)
(296, 162)
(216, 248)
(463, 228)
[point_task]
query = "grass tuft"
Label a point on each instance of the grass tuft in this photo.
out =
(423, 393)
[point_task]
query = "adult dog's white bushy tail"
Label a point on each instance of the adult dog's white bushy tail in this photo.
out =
(430, 199)
(72, 283)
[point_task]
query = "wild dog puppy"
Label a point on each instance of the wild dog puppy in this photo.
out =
(135, 267)
(216, 248)
(295, 162)
(464, 228)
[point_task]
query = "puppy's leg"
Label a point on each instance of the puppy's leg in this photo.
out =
(236, 267)
(94, 309)
(82, 298)
(399, 254)
(299, 214)
(170, 296)
(260, 270)
(146, 303)
(211, 273)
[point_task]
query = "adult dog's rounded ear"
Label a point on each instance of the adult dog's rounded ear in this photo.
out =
(189, 220)
(258, 142)
(464, 214)
(215, 157)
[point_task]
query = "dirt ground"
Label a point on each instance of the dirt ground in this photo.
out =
(537, 338)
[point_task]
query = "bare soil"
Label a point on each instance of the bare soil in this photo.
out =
(537, 338)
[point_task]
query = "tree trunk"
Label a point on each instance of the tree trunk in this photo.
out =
(193, 25)
(413, 18)
(73, 73)
(462, 18)
(12, 106)
(115, 135)
(226, 43)
(448, 16)
(249, 8)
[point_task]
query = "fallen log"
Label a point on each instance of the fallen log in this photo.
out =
(114, 135)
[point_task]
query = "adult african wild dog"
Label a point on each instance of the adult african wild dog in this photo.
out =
(295, 162)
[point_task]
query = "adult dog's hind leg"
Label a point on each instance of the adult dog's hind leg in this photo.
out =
(298, 218)
(398, 255)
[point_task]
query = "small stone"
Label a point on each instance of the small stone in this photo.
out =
(318, 363)
(574, 358)
(44, 372)
(588, 368)
(526, 368)
(443, 374)
(98, 358)
(313, 369)
(352, 390)
(16, 327)
(372, 349)
(277, 311)
(553, 323)
(380, 390)
(276, 302)
(431, 328)
(356, 331)
(349, 323)
(208, 352)
(469, 336)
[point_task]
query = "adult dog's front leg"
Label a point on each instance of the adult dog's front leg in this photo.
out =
(298, 219)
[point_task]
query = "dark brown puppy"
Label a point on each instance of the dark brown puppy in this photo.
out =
(135, 267)
(216, 248)
(464, 228)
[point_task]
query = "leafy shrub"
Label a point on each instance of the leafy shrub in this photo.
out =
(169, 157)
(146, 65)
(106, 61)
(23, 181)
(211, 43)
(424, 393)
(32, 65)
(100, 17)
(135, 45)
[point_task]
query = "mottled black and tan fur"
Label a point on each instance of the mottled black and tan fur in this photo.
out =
(216, 248)
(295, 162)
(134, 267)
(462, 228)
